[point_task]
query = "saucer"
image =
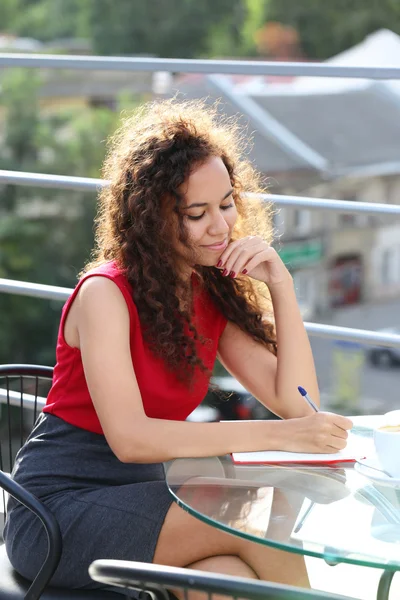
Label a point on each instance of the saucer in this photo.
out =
(362, 466)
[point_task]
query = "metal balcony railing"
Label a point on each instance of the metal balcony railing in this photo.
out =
(186, 65)
(14, 399)
(206, 67)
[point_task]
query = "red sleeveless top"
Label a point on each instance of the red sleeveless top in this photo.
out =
(163, 395)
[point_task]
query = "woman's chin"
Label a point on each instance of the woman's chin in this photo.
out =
(208, 263)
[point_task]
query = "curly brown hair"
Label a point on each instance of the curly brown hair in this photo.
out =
(150, 156)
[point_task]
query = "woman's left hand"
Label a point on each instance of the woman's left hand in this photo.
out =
(252, 256)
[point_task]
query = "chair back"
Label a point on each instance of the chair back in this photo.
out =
(158, 579)
(23, 392)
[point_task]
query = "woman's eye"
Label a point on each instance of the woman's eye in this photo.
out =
(192, 218)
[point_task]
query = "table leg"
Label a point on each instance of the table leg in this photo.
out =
(384, 585)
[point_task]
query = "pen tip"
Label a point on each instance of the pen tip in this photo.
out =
(302, 390)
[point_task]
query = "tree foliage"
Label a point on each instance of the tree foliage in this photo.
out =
(175, 28)
(206, 28)
(327, 28)
(46, 19)
(45, 235)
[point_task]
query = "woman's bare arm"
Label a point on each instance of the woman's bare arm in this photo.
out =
(274, 380)
(103, 327)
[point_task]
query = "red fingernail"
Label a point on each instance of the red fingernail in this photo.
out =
(232, 274)
(244, 271)
(224, 273)
(219, 263)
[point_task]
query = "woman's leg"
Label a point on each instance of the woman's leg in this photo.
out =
(199, 541)
(226, 565)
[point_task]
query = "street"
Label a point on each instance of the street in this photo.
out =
(379, 387)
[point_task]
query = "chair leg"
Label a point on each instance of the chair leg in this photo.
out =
(384, 585)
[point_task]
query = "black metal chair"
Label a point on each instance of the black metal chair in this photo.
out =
(23, 389)
(159, 579)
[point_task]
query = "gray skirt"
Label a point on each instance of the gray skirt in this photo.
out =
(105, 508)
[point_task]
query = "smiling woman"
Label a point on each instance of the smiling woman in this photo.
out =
(182, 272)
(213, 227)
(177, 169)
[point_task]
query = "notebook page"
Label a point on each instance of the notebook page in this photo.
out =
(355, 449)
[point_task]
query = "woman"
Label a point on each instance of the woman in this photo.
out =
(182, 273)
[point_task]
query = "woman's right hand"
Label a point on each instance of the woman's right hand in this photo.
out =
(322, 432)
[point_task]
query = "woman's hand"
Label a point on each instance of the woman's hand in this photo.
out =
(322, 432)
(254, 257)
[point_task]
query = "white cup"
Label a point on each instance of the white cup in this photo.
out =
(391, 418)
(387, 443)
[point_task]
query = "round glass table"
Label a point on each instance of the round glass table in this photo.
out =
(336, 514)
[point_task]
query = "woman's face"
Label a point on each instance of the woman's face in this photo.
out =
(209, 210)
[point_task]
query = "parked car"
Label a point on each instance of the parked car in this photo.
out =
(381, 356)
(230, 401)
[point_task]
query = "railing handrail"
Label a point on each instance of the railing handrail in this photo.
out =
(14, 399)
(200, 66)
(87, 184)
(37, 290)
(190, 65)
(34, 290)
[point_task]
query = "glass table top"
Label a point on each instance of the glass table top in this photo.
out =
(333, 513)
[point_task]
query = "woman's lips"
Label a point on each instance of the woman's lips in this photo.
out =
(220, 246)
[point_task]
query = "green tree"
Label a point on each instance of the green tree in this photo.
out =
(21, 126)
(255, 11)
(225, 37)
(8, 11)
(181, 28)
(45, 235)
(166, 28)
(46, 20)
(327, 28)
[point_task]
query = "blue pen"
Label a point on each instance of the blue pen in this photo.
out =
(307, 398)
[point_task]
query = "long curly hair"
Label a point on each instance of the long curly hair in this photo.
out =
(139, 219)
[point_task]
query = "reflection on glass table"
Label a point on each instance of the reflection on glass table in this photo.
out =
(332, 513)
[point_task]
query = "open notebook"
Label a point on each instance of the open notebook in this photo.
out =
(354, 450)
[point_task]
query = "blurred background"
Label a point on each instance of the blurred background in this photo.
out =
(318, 137)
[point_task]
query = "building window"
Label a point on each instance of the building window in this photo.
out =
(345, 280)
(398, 264)
(302, 221)
(388, 260)
(348, 219)
(103, 102)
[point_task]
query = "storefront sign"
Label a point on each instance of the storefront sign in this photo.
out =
(301, 254)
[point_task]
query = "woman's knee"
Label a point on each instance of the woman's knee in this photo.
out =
(184, 540)
(226, 565)
(223, 565)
